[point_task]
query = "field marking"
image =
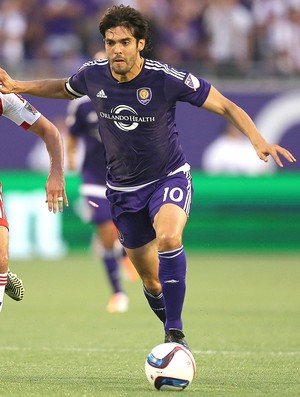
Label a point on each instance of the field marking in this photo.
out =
(195, 352)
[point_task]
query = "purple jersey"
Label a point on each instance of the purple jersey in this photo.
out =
(137, 118)
(83, 123)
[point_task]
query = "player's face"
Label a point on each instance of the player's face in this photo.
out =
(123, 53)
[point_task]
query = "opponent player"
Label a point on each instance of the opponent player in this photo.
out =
(82, 122)
(19, 110)
(148, 179)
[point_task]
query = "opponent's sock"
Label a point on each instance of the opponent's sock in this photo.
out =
(3, 282)
(172, 275)
(112, 268)
(157, 304)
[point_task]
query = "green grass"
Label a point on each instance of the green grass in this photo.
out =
(241, 317)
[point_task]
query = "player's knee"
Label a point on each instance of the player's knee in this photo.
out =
(153, 288)
(169, 241)
(152, 285)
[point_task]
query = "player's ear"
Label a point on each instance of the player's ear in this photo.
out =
(141, 44)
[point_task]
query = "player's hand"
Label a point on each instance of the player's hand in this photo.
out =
(275, 151)
(56, 195)
(6, 82)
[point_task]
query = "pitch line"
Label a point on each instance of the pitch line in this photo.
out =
(195, 352)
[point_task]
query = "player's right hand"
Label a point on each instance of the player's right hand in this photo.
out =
(6, 82)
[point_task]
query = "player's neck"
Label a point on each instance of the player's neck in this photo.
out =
(134, 71)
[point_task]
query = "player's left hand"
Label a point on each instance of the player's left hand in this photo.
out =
(56, 195)
(274, 151)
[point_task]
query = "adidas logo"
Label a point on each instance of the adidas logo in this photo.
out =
(101, 94)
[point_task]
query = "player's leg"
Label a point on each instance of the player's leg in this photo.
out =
(169, 224)
(3, 260)
(145, 260)
(169, 207)
(110, 254)
(3, 249)
(111, 257)
(9, 282)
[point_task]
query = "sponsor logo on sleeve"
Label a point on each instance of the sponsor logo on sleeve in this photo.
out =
(192, 82)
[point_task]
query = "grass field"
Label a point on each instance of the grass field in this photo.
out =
(241, 317)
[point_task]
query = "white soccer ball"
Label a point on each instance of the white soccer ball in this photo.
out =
(170, 366)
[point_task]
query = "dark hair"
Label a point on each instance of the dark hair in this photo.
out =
(130, 19)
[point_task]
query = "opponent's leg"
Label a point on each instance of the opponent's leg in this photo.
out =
(3, 261)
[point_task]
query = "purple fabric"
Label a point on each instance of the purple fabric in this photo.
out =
(172, 275)
(157, 305)
(137, 118)
(101, 213)
(133, 212)
(112, 269)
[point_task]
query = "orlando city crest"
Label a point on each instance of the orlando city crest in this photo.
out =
(144, 95)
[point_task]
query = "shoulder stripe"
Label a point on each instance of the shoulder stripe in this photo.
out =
(155, 65)
(98, 62)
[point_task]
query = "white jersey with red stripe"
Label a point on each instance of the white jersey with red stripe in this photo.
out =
(18, 109)
(21, 112)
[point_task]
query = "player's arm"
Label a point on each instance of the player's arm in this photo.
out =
(55, 185)
(51, 88)
(221, 105)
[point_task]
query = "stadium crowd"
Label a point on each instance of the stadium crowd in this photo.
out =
(224, 37)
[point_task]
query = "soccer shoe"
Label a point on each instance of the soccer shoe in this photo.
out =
(118, 303)
(176, 336)
(14, 287)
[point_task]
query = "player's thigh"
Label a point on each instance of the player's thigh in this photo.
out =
(169, 224)
(170, 204)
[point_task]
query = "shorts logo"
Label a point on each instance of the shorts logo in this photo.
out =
(144, 95)
(120, 237)
(30, 108)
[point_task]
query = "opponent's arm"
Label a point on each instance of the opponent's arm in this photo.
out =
(51, 88)
(221, 105)
(55, 185)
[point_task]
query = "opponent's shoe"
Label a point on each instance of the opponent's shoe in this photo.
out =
(14, 287)
(176, 336)
(118, 303)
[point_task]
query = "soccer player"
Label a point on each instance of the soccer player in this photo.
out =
(148, 179)
(21, 112)
(82, 123)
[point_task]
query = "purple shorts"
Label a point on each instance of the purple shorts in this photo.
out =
(100, 214)
(133, 212)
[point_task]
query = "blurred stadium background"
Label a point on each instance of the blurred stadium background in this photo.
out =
(250, 50)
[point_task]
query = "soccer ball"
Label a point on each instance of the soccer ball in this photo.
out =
(170, 366)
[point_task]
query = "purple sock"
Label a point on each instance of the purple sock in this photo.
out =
(172, 275)
(157, 304)
(112, 269)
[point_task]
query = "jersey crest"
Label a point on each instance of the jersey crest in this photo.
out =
(144, 95)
